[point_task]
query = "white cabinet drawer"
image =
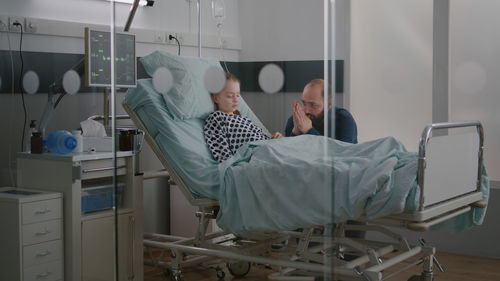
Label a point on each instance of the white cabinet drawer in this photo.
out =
(103, 168)
(41, 211)
(51, 271)
(41, 232)
(42, 253)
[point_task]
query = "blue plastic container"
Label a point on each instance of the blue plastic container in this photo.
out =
(99, 198)
(60, 142)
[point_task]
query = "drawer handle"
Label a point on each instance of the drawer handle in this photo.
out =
(40, 233)
(42, 212)
(102, 169)
(43, 275)
(43, 254)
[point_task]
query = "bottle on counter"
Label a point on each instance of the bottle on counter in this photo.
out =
(29, 133)
(36, 142)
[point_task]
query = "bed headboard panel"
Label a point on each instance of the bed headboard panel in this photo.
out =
(451, 162)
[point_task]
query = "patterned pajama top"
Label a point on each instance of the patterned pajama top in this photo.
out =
(225, 133)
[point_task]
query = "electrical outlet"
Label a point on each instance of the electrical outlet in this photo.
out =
(159, 37)
(176, 35)
(13, 27)
(171, 41)
(4, 23)
(31, 25)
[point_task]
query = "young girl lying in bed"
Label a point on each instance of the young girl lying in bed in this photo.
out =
(225, 129)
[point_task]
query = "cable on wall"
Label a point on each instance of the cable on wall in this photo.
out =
(21, 84)
(170, 37)
(11, 174)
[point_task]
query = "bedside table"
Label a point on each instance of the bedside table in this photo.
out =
(32, 235)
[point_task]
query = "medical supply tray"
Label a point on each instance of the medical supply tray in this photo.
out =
(100, 197)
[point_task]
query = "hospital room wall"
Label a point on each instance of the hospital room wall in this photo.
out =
(391, 87)
(287, 30)
(177, 16)
(165, 17)
(474, 72)
(387, 48)
(474, 66)
(391, 69)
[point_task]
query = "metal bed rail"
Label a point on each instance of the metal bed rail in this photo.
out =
(424, 140)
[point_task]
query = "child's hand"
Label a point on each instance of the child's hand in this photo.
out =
(277, 135)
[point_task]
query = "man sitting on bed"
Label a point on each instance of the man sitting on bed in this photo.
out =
(309, 118)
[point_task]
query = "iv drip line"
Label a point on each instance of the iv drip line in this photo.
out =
(220, 43)
(219, 14)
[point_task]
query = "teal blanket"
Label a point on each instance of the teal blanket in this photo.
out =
(310, 180)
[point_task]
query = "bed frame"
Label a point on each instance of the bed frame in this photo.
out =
(449, 176)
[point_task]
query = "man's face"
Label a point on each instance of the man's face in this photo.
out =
(312, 101)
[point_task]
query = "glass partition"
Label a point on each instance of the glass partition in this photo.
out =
(381, 62)
(272, 50)
(195, 139)
(58, 138)
(472, 89)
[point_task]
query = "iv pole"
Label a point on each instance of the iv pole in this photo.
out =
(198, 6)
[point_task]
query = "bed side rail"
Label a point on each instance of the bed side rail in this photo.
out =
(200, 202)
(423, 149)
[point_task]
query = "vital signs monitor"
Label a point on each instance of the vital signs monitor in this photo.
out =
(98, 59)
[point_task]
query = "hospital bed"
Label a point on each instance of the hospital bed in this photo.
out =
(450, 192)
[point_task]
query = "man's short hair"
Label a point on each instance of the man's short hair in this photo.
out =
(320, 82)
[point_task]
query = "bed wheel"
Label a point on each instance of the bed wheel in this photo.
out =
(220, 273)
(178, 278)
(238, 269)
(175, 275)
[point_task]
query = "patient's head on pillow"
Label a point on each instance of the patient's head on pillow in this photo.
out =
(188, 97)
(228, 99)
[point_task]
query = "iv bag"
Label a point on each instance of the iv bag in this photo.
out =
(218, 11)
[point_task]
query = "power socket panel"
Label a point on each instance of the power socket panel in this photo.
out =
(167, 37)
(4, 23)
(16, 28)
(159, 37)
(172, 41)
(31, 25)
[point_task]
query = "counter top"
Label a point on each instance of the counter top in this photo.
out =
(24, 195)
(76, 156)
